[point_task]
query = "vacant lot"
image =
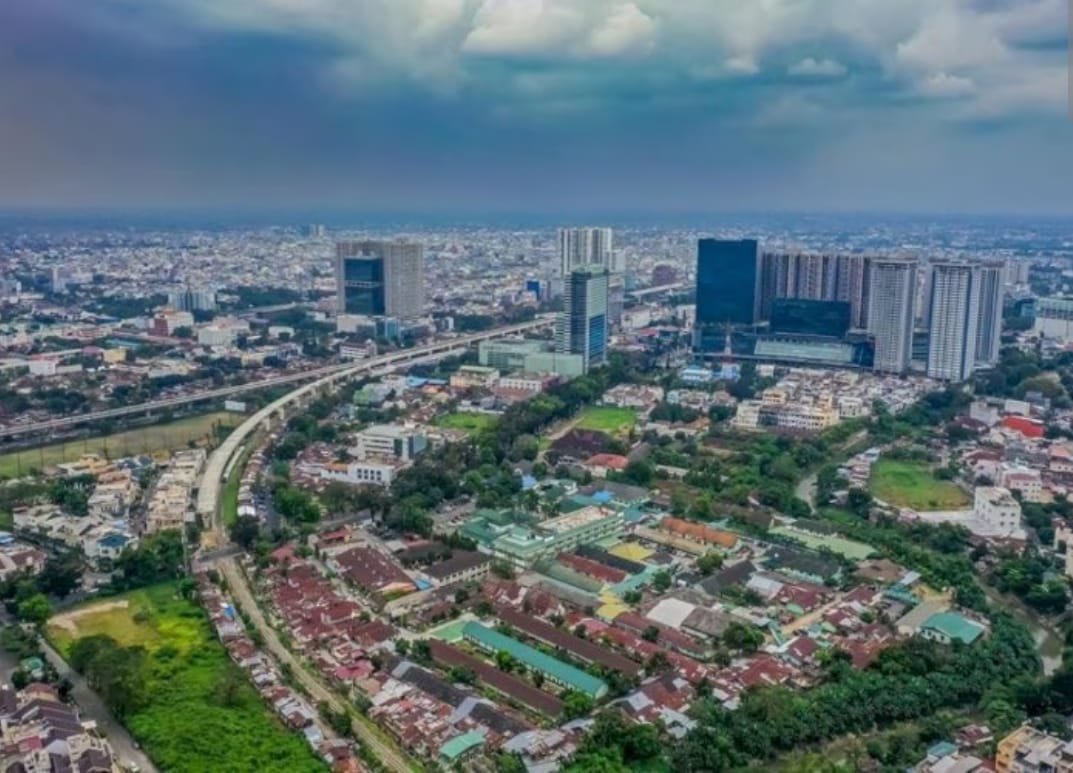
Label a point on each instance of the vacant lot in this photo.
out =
(201, 714)
(911, 484)
(613, 421)
(158, 438)
(470, 422)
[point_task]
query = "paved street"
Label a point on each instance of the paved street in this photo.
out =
(240, 592)
(93, 708)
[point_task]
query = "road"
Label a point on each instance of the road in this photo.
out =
(93, 708)
(322, 376)
(212, 477)
(208, 506)
(240, 592)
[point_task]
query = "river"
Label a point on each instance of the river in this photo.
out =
(1049, 644)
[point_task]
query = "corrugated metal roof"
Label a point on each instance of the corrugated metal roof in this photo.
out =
(535, 659)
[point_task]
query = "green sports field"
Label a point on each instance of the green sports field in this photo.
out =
(154, 439)
(911, 484)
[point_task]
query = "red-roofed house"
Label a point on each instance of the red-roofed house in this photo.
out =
(601, 464)
(1030, 428)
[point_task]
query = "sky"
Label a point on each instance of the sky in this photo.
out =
(539, 106)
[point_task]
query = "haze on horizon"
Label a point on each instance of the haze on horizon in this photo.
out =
(537, 105)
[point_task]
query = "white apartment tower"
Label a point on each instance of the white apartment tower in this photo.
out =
(892, 290)
(989, 328)
(581, 247)
(955, 317)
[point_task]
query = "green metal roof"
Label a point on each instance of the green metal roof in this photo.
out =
(536, 660)
(461, 744)
(954, 626)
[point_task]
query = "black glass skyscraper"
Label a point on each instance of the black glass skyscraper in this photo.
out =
(726, 281)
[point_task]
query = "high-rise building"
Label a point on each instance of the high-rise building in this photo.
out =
(581, 247)
(805, 316)
(192, 299)
(815, 277)
(727, 281)
(583, 324)
(954, 302)
(379, 278)
(891, 292)
(989, 328)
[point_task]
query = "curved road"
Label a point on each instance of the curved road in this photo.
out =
(208, 504)
(212, 478)
(325, 374)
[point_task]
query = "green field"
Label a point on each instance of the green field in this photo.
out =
(851, 549)
(470, 422)
(613, 421)
(189, 724)
(153, 439)
(911, 484)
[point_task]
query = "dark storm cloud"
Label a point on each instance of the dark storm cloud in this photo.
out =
(474, 105)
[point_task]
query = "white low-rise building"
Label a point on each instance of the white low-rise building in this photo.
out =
(389, 440)
(1027, 482)
(995, 508)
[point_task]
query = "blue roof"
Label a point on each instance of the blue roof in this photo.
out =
(942, 749)
(528, 482)
(115, 540)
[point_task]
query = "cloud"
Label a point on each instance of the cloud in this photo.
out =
(951, 39)
(522, 27)
(438, 89)
(813, 68)
(945, 86)
(626, 30)
(741, 65)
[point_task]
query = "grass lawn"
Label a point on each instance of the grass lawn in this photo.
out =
(911, 484)
(143, 440)
(470, 422)
(187, 726)
(613, 421)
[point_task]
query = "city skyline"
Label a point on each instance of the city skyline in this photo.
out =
(487, 106)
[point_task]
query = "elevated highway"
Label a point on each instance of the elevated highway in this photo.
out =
(212, 479)
(317, 375)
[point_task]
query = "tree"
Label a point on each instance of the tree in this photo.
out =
(639, 472)
(709, 562)
(859, 502)
(245, 531)
(576, 704)
(635, 743)
(650, 633)
(157, 557)
(36, 609)
(661, 580)
(505, 661)
(339, 721)
(461, 675)
(743, 637)
(419, 651)
(118, 674)
(61, 575)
